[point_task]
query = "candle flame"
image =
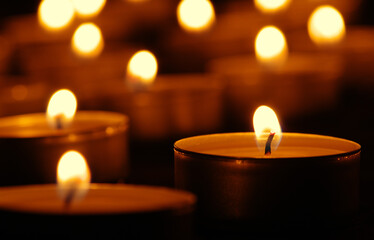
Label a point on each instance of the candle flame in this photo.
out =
(73, 176)
(88, 8)
(326, 25)
(55, 15)
(61, 109)
(141, 69)
(271, 6)
(87, 40)
(195, 15)
(265, 122)
(271, 47)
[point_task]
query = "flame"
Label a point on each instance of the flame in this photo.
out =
(88, 8)
(271, 6)
(265, 121)
(61, 109)
(326, 25)
(141, 69)
(271, 46)
(55, 15)
(195, 15)
(73, 175)
(87, 40)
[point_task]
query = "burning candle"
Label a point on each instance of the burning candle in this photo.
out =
(326, 25)
(307, 179)
(271, 6)
(271, 47)
(164, 106)
(87, 41)
(82, 208)
(99, 135)
(55, 15)
(88, 8)
(195, 15)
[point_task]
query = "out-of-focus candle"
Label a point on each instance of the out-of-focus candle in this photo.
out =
(195, 15)
(141, 70)
(165, 106)
(88, 8)
(87, 40)
(271, 47)
(308, 180)
(326, 26)
(55, 15)
(102, 136)
(271, 6)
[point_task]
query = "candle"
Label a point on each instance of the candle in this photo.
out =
(73, 208)
(307, 179)
(166, 106)
(193, 21)
(32, 146)
(300, 85)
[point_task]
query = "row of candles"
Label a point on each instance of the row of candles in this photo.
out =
(267, 176)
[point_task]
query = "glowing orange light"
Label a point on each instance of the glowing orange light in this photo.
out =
(141, 69)
(88, 8)
(326, 25)
(271, 46)
(61, 109)
(87, 40)
(195, 15)
(55, 15)
(73, 176)
(271, 6)
(265, 121)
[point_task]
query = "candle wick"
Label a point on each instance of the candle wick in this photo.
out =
(69, 197)
(58, 120)
(268, 143)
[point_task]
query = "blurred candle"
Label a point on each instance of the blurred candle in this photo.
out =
(326, 26)
(42, 137)
(87, 41)
(271, 6)
(55, 15)
(88, 8)
(195, 15)
(271, 47)
(141, 70)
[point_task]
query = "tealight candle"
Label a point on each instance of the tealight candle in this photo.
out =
(307, 180)
(73, 208)
(33, 142)
(166, 106)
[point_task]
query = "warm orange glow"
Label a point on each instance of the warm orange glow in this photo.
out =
(88, 8)
(271, 46)
(73, 176)
(326, 26)
(271, 6)
(141, 69)
(61, 109)
(265, 121)
(195, 15)
(87, 40)
(55, 15)
(19, 92)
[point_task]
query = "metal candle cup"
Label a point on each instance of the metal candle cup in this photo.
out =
(31, 149)
(308, 179)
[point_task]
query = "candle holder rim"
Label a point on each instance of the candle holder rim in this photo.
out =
(217, 157)
(121, 124)
(187, 200)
